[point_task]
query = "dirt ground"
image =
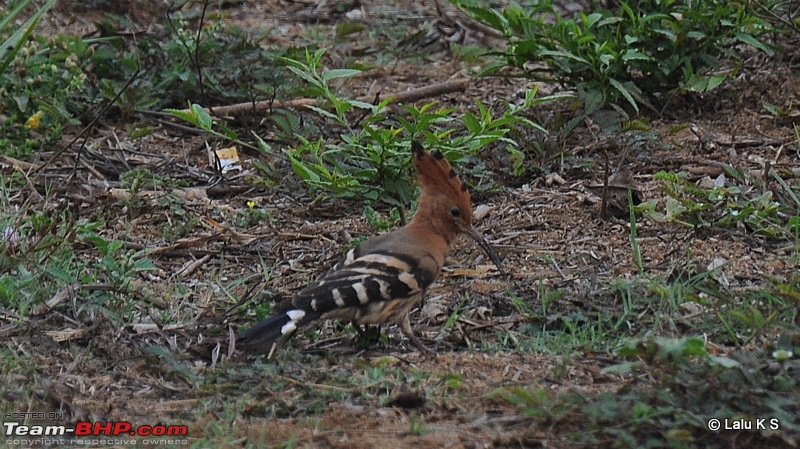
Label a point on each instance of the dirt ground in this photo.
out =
(324, 390)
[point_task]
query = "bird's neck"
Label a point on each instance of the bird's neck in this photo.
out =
(431, 228)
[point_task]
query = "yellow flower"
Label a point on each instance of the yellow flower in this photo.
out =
(251, 204)
(33, 121)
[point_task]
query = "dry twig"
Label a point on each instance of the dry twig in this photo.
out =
(407, 96)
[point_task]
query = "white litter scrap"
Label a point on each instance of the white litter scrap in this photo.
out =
(228, 159)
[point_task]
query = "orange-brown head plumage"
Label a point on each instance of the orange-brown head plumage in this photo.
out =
(445, 208)
(445, 202)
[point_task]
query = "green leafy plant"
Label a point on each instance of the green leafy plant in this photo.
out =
(216, 65)
(637, 251)
(310, 71)
(370, 159)
(636, 54)
(140, 179)
(251, 215)
(13, 43)
(417, 425)
(39, 79)
(199, 117)
(42, 252)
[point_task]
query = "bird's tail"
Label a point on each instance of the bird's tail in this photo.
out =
(263, 336)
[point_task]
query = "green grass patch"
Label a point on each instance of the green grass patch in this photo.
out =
(688, 389)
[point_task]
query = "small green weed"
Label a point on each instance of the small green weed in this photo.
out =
(538, 403)
(140, 179)
(142, 184)
(637, 251)
(692, 300)
(417, 425)
(765, 210)
(381, 224)
(199, 117)
(689, 299)
(252, 215)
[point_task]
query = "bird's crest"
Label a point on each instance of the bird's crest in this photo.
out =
(437, 177)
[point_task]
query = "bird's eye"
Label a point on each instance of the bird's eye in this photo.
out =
(456, 212)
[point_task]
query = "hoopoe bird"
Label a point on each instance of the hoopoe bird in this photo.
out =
(381, 280)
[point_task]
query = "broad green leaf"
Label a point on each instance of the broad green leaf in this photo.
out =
(773, 109)
(696, 83)
(22, 102)
(204, 120)
(714, 81)
(563, 54)
(144, 265)
(488, 16)
(307, 77)
(262, 145)
(624, 91)
(724, 362)
(304, 171)
(609, 21)
(591, 19)
(632, 54)
(185, 116)
(682, 347)
(750, 40)
(323, 112)
(362, 105)
(592, 100)
(339, 73)
(472, 123)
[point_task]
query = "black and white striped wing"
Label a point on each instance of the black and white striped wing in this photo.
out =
(360, 280)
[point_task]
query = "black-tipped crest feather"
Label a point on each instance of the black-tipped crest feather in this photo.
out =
(437, 177)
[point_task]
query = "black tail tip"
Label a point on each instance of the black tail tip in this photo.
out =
(417, 148)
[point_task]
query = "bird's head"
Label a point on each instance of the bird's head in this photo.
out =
(445, 203)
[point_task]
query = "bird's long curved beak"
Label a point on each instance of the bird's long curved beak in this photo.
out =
(478, 237)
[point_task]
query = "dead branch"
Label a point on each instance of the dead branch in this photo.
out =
(407, 96)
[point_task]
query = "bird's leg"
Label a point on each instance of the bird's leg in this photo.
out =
(366, 336)
(272, 350)
(277, 344)
(405, 326)
(359, 330)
